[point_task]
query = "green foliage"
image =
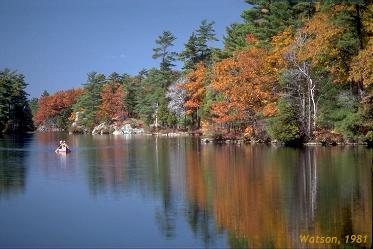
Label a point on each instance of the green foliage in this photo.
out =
(368, 138)
(351, 125)
(264, 20)
(45, 93)
(162, 113)
(63, 119)
(150, 96)
(197, 48)
(90, 100)
(207, 103)
(34, 105)
(15, 113)
(172, 120)
(164, 42)
(339, 111)
(284, 126)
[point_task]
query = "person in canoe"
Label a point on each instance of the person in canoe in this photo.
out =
(63, 147)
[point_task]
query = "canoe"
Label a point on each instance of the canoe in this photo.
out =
(65, 150)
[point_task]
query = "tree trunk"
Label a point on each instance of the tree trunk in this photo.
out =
(312, 95)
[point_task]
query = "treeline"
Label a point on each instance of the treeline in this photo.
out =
(291, 71)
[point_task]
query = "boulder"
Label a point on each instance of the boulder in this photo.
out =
(102, 128)
(117, 132)
(127, 129)
(205, 140)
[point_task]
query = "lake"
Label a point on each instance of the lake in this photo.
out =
(146, 191)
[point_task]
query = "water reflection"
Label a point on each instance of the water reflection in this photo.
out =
(268, 197)
(227, 195)
(12, 165)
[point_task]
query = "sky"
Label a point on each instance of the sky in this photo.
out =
(55, 43)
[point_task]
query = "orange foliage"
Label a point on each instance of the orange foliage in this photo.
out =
(239, 193)
(280, 43)
(362, 66)
(255, 196)
(320, 47)
(251, 39)
(245, 84)
(112, 105)
(51, 106)
(195, 88)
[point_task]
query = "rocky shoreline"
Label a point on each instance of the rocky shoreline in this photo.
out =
(104, 129)
(130, 127)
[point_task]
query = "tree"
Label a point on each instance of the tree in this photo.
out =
(150, 93)
(89, 102)
(15, 114)
(165, 42)
(197, 49)
(195, 89)
(55, 110)
(244, 86)
(362, 66)
(112, 102)
(205, 33)
(34, 106)
(45, 93)
(284, 126)
(190, 53)
(177, 96)
(266, 19)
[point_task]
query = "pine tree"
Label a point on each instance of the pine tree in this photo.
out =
(165, 42)
(89, 102)
(197, 49)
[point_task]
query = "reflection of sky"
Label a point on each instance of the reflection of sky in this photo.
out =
(146, 191)
(106, 192)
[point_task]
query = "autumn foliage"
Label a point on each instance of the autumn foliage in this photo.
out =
(276, 77)
(245, 87)
(52, 106)
(195, 88)
(112, 105)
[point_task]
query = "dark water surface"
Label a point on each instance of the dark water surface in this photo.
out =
(143, 191)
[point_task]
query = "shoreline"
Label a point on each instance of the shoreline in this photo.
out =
(206, 140)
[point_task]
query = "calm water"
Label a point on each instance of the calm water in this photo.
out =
(142, 191)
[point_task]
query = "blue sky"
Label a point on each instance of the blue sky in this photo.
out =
(55, 43)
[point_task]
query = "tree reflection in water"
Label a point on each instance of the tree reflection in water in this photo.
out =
(267, 197)
(256, 196)
(13, 173)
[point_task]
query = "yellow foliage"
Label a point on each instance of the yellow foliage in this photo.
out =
(362, 66)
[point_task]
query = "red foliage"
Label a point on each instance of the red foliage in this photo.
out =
(112, 105)
(51, 106)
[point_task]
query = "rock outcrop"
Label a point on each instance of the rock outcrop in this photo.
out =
(103, 128)
(75, 127)
(116, 129)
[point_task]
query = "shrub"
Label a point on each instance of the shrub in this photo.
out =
(369, 138)
(351, 126)
(284, 126)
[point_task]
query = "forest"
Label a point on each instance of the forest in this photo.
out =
(291, 72)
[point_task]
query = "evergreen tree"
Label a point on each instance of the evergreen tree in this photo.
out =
(197, 48)
(90, 100)
(15, 113)
(205, 34)
(45, 93)
(190, 53)
(284, 126)
(264, 20)
(165, 42)
(34, 105)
